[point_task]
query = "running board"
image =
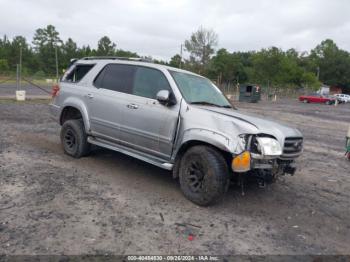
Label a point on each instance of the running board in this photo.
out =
(130, 152)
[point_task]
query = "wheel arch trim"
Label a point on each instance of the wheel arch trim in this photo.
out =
(80, 106)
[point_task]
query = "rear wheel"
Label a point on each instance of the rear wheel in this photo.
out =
(305, 101)
(204, 176)
(74, 138)
(328, 102)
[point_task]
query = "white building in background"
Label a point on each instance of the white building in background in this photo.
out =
(324, 90)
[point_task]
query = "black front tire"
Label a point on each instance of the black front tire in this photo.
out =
(74, 138)
(204, 176)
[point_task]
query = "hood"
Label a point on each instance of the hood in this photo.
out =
(252, 124)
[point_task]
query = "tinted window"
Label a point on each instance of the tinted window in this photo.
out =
(148, 82)
(116, 77)
(77, 73)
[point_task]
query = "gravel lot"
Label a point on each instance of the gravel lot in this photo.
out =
(109, 203)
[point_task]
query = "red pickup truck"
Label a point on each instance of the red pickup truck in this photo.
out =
(316, 98)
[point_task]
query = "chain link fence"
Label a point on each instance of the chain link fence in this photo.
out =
(33, 87)
(231, 90)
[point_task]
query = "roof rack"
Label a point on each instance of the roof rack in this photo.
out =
(117, 58)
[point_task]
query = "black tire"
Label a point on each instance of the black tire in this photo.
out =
(74, 138)
(305, 101)
(204, 176)
(328, 102)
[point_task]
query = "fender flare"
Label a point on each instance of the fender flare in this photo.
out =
(79, 105)
(200, 136)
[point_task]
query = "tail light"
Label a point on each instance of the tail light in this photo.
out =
(55, 90)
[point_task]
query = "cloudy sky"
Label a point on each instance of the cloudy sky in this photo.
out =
(158, 27)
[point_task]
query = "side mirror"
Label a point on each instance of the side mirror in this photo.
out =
(163, 97)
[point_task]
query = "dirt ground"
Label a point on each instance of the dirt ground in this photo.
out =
(109, 203)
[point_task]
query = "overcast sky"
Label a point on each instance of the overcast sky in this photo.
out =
(158, 28)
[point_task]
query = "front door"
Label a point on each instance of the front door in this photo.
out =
(146, 124)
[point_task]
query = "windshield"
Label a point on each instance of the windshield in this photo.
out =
(199, 90)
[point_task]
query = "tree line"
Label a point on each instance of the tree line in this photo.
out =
(326, 63)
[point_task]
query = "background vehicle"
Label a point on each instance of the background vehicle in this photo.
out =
(343, 97)
(316, 98)
(173, 119)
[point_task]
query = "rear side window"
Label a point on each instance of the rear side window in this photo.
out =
(116, 77)
(148, 82)
(77, 73)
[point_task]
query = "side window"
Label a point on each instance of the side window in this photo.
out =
(77, 73)
(116, 77)
(148, 82)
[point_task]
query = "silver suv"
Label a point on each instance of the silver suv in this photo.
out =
(173, 119)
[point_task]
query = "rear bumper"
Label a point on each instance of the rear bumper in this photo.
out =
(55, 112)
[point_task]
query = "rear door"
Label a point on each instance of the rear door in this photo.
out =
(106, 100)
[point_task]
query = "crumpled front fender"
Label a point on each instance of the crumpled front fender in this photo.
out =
(214, 138)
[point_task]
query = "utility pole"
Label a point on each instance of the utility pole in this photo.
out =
(20, 65)
(56, 63)
(180, 56)
(238, 83)
(17, 77)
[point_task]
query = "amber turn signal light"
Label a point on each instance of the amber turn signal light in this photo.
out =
(241, 163)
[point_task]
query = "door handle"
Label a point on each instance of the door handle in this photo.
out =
(132, 106)
(90, 96)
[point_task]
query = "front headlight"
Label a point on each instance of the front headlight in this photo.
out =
(269, 146)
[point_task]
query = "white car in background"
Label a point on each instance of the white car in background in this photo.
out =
(343, 98)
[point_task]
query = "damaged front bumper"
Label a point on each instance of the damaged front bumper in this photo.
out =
(263, 155)
(265, 158)
(247, 161)
(263, 171)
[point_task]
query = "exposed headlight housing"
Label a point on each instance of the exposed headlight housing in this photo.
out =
(242, 141)
(269, 146)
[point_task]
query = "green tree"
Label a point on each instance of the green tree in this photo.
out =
(105, 47)
(46, 41)
(85, 51)
(124, 53)
(227, 66)
(4, 67)
(201, 46)
(10, 51)
(5, 45)
(333, 63)
(175, 61)
(309, 80)
(266, 65)
(46, 36)
(69, 51)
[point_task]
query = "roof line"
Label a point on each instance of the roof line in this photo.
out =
(139, 59)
